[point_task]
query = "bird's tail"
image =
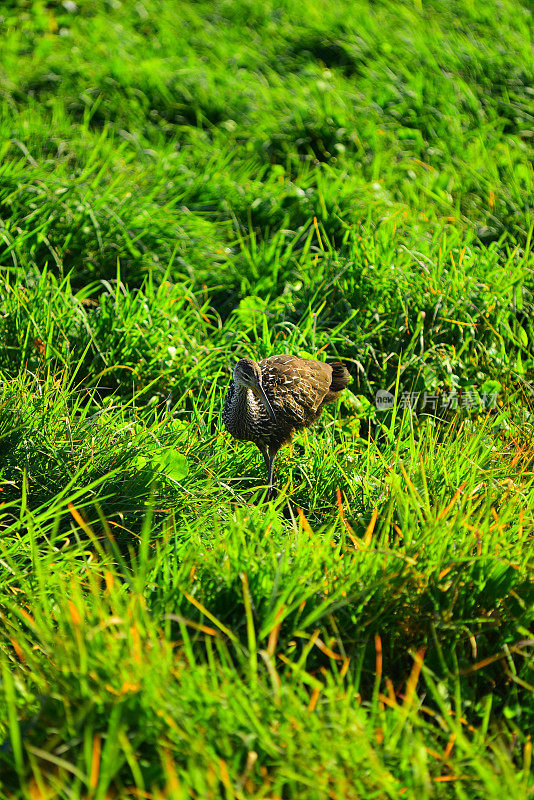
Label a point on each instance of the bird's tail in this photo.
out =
(340, 377)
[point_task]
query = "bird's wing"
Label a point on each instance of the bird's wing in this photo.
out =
(298, 385)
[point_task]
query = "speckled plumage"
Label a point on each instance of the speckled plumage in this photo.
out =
(297, 390)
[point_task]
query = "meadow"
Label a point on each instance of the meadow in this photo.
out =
(183, 184)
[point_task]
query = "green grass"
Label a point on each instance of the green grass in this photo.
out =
(185, 184)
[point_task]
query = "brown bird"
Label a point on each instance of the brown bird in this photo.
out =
(271, 399)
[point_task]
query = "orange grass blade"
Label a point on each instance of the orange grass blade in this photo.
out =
(211, 616)
(411, 683)
(370, 528)
(95, 762)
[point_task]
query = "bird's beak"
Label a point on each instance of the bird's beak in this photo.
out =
(265, 400)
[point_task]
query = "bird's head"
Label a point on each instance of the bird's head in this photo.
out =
(247, 373)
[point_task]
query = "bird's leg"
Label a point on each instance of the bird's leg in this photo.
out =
(270, 471)
(265, 453)
(269, 455)
(270, 467)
